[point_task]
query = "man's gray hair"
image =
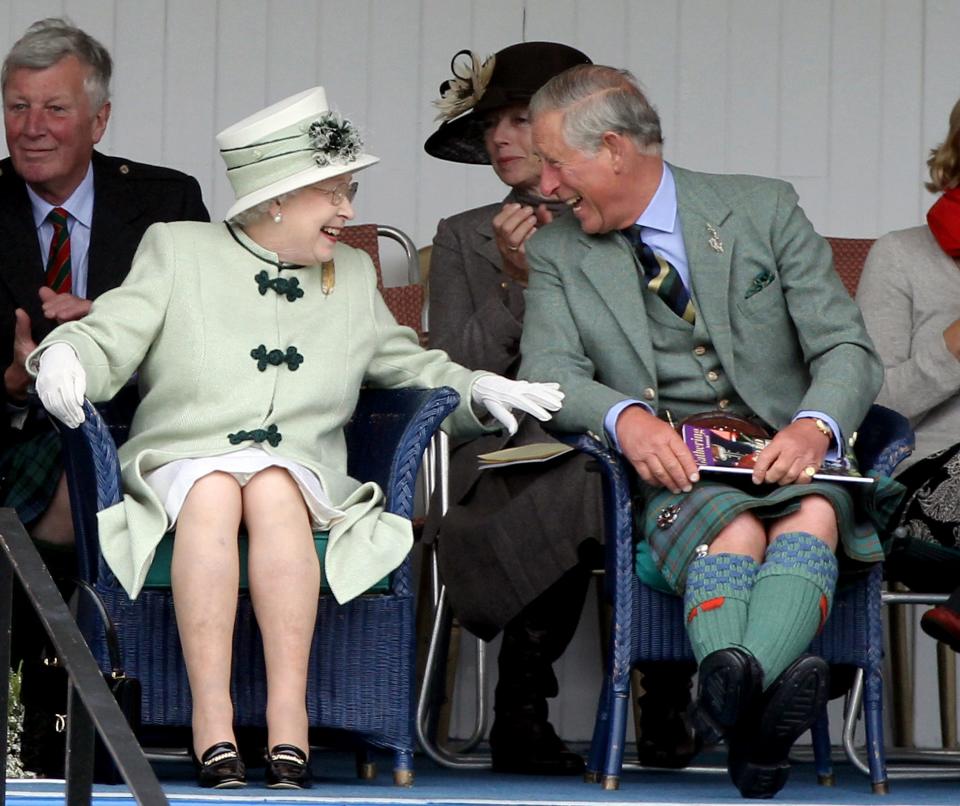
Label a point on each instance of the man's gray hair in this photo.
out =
(48, 41)
(597, 99)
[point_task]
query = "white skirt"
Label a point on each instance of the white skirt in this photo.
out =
(174, 480)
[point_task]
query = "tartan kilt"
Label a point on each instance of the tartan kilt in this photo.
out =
(29, 473)
(673, 525)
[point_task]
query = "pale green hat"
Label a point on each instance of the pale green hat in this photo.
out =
(293, 143)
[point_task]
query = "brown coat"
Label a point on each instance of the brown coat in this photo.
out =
(509, 533)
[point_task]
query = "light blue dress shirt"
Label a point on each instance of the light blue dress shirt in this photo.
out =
(80, 209)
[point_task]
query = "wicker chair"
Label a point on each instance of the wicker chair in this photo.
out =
(361, 674)
(648, 626)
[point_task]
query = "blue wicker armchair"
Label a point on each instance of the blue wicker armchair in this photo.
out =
(648, 626)
(362, 663)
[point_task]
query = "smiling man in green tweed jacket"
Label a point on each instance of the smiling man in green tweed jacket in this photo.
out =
(671, 293)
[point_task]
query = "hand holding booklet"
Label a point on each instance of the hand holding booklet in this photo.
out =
(728, 450)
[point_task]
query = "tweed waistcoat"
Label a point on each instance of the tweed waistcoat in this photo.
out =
(690, 378)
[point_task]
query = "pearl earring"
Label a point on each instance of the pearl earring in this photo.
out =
(278, 217)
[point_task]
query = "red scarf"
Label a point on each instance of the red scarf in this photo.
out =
(944, 221)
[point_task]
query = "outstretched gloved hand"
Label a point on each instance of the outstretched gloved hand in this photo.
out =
(61, 384)
(499, 395)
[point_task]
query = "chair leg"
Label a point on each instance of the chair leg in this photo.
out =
(403, 768)
(820, 733)
(902, 674)
(450, 679)
(598, 744)
(873, 723)
(442, 672)
(617, 733)
(366, 767)
(636, 687)
(947, 679)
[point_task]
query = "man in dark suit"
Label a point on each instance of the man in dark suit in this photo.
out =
(56, 89)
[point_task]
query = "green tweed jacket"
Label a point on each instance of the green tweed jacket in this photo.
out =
(198, 317)
(783, 327)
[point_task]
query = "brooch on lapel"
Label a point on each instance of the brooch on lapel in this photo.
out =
(715, 243)
(328, 278)
(759, 282)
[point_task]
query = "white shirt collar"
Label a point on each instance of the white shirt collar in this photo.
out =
(79, 205)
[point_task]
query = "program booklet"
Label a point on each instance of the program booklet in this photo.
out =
(523, 454)
(723, 450)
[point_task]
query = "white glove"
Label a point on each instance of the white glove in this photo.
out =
(61, 383)
(499, 395)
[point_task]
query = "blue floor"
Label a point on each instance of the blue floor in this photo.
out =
(336, 784)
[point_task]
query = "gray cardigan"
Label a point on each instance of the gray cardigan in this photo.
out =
(909, 293)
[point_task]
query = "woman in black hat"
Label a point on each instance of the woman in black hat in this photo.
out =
(518, 543)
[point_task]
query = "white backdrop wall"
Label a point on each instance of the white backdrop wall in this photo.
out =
(843, 98)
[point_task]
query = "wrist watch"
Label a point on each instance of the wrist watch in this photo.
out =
(822, 427)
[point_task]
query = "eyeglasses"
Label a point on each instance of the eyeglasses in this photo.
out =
(340, 192)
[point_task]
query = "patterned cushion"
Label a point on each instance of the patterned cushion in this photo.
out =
(405, 301)
(364, 236)
(849, 255)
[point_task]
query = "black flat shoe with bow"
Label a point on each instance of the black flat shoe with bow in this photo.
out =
(288, 768)
(220, 767)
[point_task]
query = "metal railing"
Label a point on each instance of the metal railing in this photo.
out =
(91, 708)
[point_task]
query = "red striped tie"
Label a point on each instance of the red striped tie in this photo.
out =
(58, 262)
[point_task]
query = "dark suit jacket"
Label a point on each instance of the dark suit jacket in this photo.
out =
(128, 198)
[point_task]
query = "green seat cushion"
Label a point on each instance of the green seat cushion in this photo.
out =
(159, 574)
(647, 569)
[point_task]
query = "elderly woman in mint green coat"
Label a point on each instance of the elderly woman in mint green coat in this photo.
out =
(252, 339)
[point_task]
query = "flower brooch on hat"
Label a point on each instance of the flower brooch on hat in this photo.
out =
(335, 140)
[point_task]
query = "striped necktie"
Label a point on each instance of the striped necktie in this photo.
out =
(58, 261)
(662, 278)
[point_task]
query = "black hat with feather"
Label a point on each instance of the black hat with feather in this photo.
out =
(511, 76)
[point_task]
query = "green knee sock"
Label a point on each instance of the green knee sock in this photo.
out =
(791, 600)
(715, 601)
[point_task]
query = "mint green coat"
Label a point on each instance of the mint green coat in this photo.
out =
(784, 329)
(187, 318)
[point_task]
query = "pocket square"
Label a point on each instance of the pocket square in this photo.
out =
(759, 282)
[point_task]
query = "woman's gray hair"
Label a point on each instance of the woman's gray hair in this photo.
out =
(253, 214)
(944, 162)
(597, 99)
(48, 41)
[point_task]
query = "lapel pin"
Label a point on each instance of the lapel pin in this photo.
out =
(328, 278)
(715, 243)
